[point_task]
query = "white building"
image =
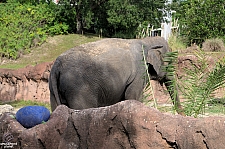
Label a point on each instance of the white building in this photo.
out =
(166, 27)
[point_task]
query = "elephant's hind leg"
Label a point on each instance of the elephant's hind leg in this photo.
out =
(53, 102)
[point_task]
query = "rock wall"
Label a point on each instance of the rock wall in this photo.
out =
(127, 124)
(29, 83)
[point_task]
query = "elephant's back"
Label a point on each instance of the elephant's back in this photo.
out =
(103, 46)
(109, 59)
(110, 55)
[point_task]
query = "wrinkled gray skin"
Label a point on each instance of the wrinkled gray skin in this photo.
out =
(105, 72)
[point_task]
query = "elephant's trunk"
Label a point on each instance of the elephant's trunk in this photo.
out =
(174, 97)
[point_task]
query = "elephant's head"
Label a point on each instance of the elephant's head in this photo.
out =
(155, 62)
(155, 49)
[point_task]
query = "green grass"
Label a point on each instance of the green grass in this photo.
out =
(49, 51)
(21, 103)
(216, 109)
(216, 106)
(213, 110)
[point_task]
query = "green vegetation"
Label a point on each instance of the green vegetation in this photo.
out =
(216, 106)
(176, 43)
(125, 16)
(200, 19)
(215, 109)
(25, 26)
(199, 83)
(112, 18)
(170, 58)
(48, 51)
(21, 103)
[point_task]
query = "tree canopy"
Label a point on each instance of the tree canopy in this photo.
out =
(114, 17)
(198, 19)
(201, 19)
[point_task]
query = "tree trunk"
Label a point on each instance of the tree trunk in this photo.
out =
(79, 26)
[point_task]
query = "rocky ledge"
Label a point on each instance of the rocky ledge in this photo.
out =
(128, 124)
(29, 83)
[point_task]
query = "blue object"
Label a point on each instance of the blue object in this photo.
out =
(31, 116)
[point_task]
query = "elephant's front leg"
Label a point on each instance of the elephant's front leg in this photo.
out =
(174, 96)
(134, 90)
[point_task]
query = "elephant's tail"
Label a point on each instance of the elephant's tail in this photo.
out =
(53, 84)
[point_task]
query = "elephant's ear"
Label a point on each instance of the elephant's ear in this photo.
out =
(154, 57)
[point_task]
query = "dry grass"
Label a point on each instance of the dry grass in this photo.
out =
(213, 45)
(176, 44)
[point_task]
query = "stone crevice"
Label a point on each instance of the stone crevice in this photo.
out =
(126, 132)
(41, 143)
(172, 144)
(204, 141)
(78, 135)
(109, 130)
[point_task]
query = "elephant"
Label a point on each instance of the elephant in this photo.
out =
(107, 71)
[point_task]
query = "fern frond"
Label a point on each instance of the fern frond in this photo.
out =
(199, 84)
(170, 60)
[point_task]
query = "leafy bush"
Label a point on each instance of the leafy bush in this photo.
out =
(213, 45)
(200, 19)
(65, 15)
(58, 28)
(24, 26)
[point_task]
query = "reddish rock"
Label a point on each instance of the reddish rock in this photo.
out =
(29, 83)
(128, 124)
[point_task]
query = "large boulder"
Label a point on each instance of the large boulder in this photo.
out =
(128, 124)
